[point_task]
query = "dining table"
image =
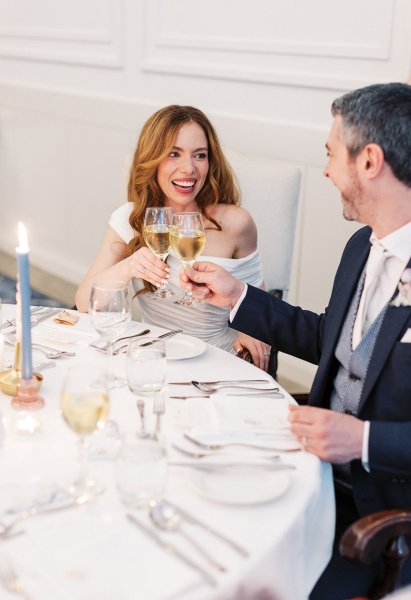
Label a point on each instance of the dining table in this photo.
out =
(94, 551)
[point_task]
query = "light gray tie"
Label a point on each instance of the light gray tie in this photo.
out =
(373, 296)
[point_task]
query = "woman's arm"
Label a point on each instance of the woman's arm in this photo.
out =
(113, 264)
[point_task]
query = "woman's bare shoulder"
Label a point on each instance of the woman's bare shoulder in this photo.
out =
(232, 217)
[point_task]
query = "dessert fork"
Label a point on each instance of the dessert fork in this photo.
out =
(159, 408)
(9, 578)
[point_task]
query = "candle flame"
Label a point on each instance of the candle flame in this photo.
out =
(22, 235)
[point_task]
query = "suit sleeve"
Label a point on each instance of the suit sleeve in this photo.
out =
(286, 328)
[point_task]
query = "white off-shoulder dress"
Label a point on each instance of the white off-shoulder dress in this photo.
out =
(201, 320)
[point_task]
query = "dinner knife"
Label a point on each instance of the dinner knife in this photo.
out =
(204, 466)
(173, 550)
(224, 381)
(195, 521)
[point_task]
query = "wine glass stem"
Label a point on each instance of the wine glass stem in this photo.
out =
(82, 477)
(110, 352)
(163, 286)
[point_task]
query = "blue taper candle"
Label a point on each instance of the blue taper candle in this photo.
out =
(23, 269)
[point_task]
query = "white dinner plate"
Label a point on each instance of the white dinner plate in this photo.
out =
(184, 346)
(242, 485)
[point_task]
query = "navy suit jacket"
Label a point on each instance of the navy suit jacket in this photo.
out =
(386, 394)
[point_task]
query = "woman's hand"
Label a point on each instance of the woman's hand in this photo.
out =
(145, 265)
(260, 352)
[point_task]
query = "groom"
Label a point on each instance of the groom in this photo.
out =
(359, 413)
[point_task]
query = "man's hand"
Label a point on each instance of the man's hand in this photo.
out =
(332, 436)
(211, 283)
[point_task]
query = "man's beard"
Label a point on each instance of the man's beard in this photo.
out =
(352, 200)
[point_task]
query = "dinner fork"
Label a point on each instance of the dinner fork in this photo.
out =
(223, 444)
(159, 408)
(9, 578)
(49, 352)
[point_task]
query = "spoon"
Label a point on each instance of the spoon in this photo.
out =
(166, 517)
(206, 387)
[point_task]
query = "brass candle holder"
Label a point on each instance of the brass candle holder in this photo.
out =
(11, 382)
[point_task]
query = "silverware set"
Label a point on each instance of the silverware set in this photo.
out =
(168, 517)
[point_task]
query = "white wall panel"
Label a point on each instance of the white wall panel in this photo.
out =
(312, 43)
(76, 32)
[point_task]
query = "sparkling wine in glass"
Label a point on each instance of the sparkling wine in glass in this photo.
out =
(157, 227)
(110, 313)
(84, 405)
(187, 242)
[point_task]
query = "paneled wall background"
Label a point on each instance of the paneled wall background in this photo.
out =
(78, 79)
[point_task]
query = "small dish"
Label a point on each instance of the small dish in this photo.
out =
(184, 346)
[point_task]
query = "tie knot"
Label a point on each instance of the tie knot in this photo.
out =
(377, 258)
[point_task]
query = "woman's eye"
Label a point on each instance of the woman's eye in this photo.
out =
(173, 154)
(201, 155)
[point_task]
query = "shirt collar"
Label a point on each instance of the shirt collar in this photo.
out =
(398, 242)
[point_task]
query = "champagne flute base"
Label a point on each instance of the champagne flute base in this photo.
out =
(161, 293)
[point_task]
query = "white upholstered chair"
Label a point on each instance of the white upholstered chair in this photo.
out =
(270, 192)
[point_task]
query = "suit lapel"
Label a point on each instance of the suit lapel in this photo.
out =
(394, 321)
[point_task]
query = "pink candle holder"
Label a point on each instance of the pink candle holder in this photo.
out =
(27, 397)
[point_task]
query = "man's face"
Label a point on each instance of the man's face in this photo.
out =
(343, 172)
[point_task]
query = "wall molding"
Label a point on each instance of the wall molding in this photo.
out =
(100, 47)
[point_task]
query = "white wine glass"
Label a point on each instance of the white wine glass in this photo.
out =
(187, 242)
(84, 405)
(110, 313)
(157, 227)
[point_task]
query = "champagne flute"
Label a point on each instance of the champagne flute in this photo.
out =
(84, 406)
(110, 313)
(157, 226)
(187, 242)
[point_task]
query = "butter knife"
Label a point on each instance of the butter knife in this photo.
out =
(173, 550)
(161, 337)
(223, 381)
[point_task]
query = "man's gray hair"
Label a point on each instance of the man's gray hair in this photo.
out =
(379, 114)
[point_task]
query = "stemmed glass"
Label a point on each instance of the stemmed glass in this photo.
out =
(157, 226)
(146, 372)
(84, 405)
(187, 242)
(110, 313)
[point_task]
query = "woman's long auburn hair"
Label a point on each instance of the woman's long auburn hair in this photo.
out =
(155, 143)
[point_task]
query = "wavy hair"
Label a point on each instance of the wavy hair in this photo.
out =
(155, 142)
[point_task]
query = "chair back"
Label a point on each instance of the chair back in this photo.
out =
(270, 192)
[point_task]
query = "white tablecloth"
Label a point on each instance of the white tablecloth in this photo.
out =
(94, 553)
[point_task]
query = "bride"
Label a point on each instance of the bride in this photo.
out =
(179, 163)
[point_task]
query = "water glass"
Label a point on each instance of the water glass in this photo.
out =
(146, 366)
(141, 470)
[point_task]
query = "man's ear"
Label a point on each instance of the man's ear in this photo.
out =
(372, 160)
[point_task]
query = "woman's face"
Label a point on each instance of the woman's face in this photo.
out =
(182, 174)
